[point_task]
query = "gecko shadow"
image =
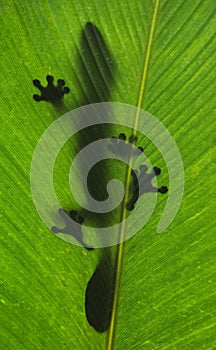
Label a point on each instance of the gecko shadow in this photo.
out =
(97, 71)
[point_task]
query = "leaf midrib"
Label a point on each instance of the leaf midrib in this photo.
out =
(120, 249)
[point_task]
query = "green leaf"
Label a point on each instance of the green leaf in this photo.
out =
(158, 55)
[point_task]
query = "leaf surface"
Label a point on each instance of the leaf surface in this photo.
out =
(167, 290)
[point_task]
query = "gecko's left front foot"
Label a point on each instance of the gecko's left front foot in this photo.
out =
(50, 93)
